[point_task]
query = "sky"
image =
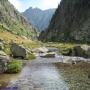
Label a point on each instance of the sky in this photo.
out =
(22, 5)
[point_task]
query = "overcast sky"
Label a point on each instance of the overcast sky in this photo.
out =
(22, 5)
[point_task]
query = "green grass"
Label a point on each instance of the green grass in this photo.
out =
(30, 57)
(64, 48)
(7, 49)
(14, 67)
(9, 37)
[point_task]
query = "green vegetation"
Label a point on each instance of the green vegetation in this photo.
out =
(64, 48)
(7, 49)
(9, 37)
(12, 21)
(14, 67)
(30, 57)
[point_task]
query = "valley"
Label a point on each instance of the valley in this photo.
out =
(45, 49)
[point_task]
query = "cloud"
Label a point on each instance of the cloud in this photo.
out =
(49, 4)
(17, 4)
(22, 5)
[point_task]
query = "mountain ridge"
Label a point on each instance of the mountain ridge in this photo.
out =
(39, 18)
(14, 21)
(70, 23)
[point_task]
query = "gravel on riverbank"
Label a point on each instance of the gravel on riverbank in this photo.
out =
(77, 76)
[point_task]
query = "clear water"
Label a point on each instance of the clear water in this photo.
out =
(40, 75)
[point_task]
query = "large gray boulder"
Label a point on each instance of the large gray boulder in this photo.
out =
(81, 51)
(48, 55)
(18, 51)
(78, 51)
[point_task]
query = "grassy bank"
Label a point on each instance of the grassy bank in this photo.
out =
(76, 76)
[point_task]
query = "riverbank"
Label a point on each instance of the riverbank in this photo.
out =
(77, 76)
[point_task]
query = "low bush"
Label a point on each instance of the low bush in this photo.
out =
(14, 67)
(30, 57)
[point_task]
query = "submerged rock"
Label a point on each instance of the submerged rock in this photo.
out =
(48, 55)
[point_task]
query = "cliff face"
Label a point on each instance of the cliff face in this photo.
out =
(70, 23)
(39, 18)
(11, 19)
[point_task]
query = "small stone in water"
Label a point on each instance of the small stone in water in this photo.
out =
(89, 76)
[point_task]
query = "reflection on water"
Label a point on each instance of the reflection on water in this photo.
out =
(6, 78)
(49, 78)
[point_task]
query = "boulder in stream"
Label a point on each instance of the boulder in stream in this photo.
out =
(48, 55)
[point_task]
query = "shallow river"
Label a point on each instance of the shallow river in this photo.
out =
(44, 74)
(40, 74)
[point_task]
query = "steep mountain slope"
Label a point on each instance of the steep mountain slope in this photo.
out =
(70, 23)
(13, 21)
(39, 18)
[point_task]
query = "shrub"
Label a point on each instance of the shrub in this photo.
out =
(30, 57)
(66, 51)
(7, 49)
(14, 67)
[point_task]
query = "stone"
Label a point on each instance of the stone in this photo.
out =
(18, 51)
(52, 49)
(41, 50)
(88, 53)
(87, 50)
(3, 63)
(1, 46)
(73, 60)
(2, 53)
(48, 55)
(78, 51)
